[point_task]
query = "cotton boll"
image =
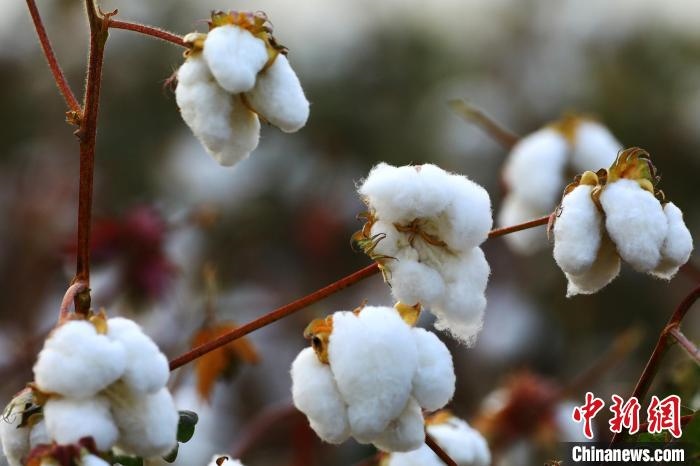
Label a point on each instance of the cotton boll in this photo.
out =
(514, 211)
(469, 214)
(92, 460)
(68, 420)
(406, 433)
(594, 147)
(636, 223)
(147, 369)
(227, 461)
(392, 240)
(413, 282)
(464, 444)
(315, 394)
(279, 98)
(534, 170)
(434, 381)
(76, 361)
(577, 231)
(245, 135)
(373, 357)
(147, 423)
(677, 246)
(39, 435)
(234, 57)
(605, 268)
(15, 439)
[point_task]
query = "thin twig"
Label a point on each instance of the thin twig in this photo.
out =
(430, 441)
(689, 347)
(152, 31)
(494, 129)
(54, 66)
(73, 290)
(301, 303)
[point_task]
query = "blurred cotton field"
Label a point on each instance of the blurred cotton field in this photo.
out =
(182, 244)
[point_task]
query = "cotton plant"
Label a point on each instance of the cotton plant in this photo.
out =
(424, 228)
(100, 379)
(538, 165)
(233, 77)
(618, 215)
(369, 374)
(464, 444)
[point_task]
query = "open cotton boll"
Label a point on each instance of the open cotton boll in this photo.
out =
(316, 395)
(577, 231)
(594, 147)
(68, 420)
(604, 270)
(434, 381)
(405, 433)
(413, 282)
(224, 460)
(373, 357)
(677, 246)
(147, 369)
(244, 138)
(15, 439)
(534, 170)
(147, 423)
(461, 442)
(635, 222)
(279, 98)
(39, 435)
(468, 213)
(76, 361)
(235, 57)
(514, 211)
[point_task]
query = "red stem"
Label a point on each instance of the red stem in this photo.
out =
(55, 68)
(73, 291)
(430, 441)
(684, 421)
(152, 31)
(301, 303)
(689, 347)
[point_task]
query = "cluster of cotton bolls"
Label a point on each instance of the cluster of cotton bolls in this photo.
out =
(465, 445)
(424, 228)
(368, 375)
(536, 169)
(618, 214)
(103, 379)
(234, 76)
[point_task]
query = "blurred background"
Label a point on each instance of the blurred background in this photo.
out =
(277, 226)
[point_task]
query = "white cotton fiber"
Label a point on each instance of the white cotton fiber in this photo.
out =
(413, 282)
(463, 443)
(434, 381)
(605, 268)
(39, 435)
(15, 441)
(677, 246)
(245, 135)
(577, 231)
(405, 433)
(315, 394)
(468, 214)
(147, 369)
(225, 461)
(279, 98)
(635, 222)
(234, 57)
(68, 420)
(373, 357)
(147, 423)
(76, 361)
(423, 456)
(534, 169)
(515, 211)
(594, 147)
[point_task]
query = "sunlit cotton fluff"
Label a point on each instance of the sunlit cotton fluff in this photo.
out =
(379, 376)
(677, 246)
(425, 226)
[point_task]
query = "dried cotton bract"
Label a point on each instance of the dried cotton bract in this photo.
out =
(535, 171)
(234, 76)
(424, 228)
(618, 214)
(465, 445)
(368, 375)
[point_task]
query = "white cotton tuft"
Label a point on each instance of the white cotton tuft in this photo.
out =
(15, 439)
(68, 420)
(423, 456)
(463, 443)
(147, 423)
(515, 211)
(39, 435)
(147, 369)
(234, 57)
(92, 460)
(76, 361)
(577, 231)
(316, 395)
(677, 246)
(405, 433)
(468, 213)
(434, 381)
(534, 169)
(373, 357)
(279, 98)
(594, 147)
(224, 460)
(605, 268)
(635, 222)
(413, 282)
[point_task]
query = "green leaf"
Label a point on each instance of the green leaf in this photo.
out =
(185, 428)
(127, 460)
(172, 456)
